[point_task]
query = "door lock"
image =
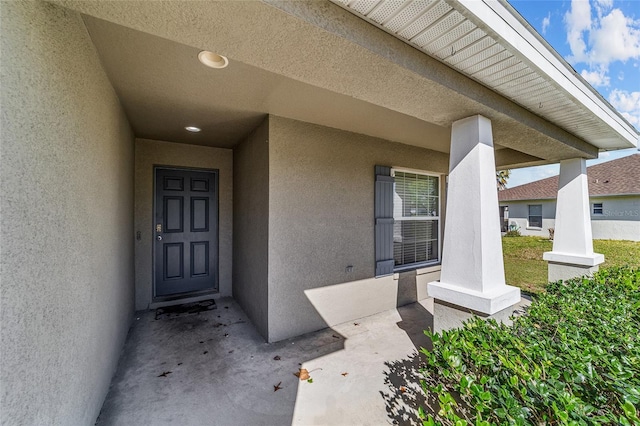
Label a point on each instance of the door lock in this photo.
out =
(159, 237)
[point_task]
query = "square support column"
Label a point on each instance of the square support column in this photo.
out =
(572, 254)
(472, 274)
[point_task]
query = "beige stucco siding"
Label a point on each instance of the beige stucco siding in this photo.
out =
(321, 220)
(251, 226)
(66, 222)
(150, 153)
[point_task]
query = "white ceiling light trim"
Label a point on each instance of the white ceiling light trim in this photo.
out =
(213, 60)
(193, 129)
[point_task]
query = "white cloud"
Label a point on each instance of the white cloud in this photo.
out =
(602, 6)
(578, 21)
(616, 38)
(546, 21)
(600, 40)
(632, 119)
(597, 77)
(607, 4)
(628, 103)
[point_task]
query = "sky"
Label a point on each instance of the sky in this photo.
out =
(601, 40)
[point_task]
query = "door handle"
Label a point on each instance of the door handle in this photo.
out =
(159, 237)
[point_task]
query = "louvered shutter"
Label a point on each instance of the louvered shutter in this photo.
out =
(384, 221)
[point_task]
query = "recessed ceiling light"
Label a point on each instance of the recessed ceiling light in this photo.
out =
(213, 60)
(193, 129)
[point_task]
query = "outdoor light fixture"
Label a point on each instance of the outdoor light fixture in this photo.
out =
(193, 129)
(213, 60)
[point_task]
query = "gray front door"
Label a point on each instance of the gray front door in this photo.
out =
(185, 231)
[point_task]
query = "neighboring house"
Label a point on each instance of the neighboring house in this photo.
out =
(614, 197)
(345, 166)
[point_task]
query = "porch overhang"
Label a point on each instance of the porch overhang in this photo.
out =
(348, 74)
(490, 42)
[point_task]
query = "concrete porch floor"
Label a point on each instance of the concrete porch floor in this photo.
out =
(213, 368)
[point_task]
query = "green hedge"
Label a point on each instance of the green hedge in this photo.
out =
(573, 358)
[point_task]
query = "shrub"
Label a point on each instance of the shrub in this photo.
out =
(514, 231)
(573, 358)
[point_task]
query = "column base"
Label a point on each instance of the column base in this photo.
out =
(564, 266)
(488, 302)
(564, 271)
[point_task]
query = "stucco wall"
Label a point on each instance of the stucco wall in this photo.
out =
(620, 218)
(150, 153)
(251, 226)
(624, 208)
(321, 220)
(66, 221)
(519, 214)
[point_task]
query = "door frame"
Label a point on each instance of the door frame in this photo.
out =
(152, 227)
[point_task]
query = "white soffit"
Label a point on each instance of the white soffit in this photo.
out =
(490, 42)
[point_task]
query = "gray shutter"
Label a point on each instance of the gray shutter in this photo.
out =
(384, 221)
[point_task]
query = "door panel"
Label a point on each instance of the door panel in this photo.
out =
(173, 214)
(186, 254)
(200, 258)
(199, 214)
(173, 261)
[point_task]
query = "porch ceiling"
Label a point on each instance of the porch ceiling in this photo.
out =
(164, 88)
(306, 60)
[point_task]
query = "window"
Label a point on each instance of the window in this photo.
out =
(535, 215)
(597, 208)
(416, 218)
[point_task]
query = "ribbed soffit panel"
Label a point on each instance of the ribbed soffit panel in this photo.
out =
(439, 30)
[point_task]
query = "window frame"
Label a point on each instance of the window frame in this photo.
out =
(529, 215)
(601, 208)
(438, 217)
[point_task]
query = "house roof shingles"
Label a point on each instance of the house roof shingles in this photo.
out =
(616, 177)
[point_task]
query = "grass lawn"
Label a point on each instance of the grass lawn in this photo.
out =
(525, 268)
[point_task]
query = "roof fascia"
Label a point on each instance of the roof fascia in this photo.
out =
(553, 198)
(528, 199)
(500, 20)
(615, 195)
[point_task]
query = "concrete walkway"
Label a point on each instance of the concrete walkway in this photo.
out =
(213, 368)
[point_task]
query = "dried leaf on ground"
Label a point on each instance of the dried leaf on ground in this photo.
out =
(277, 387)
(345, 374)
(303, 374)
(165, 374)
(403, 389)
(277, 358)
